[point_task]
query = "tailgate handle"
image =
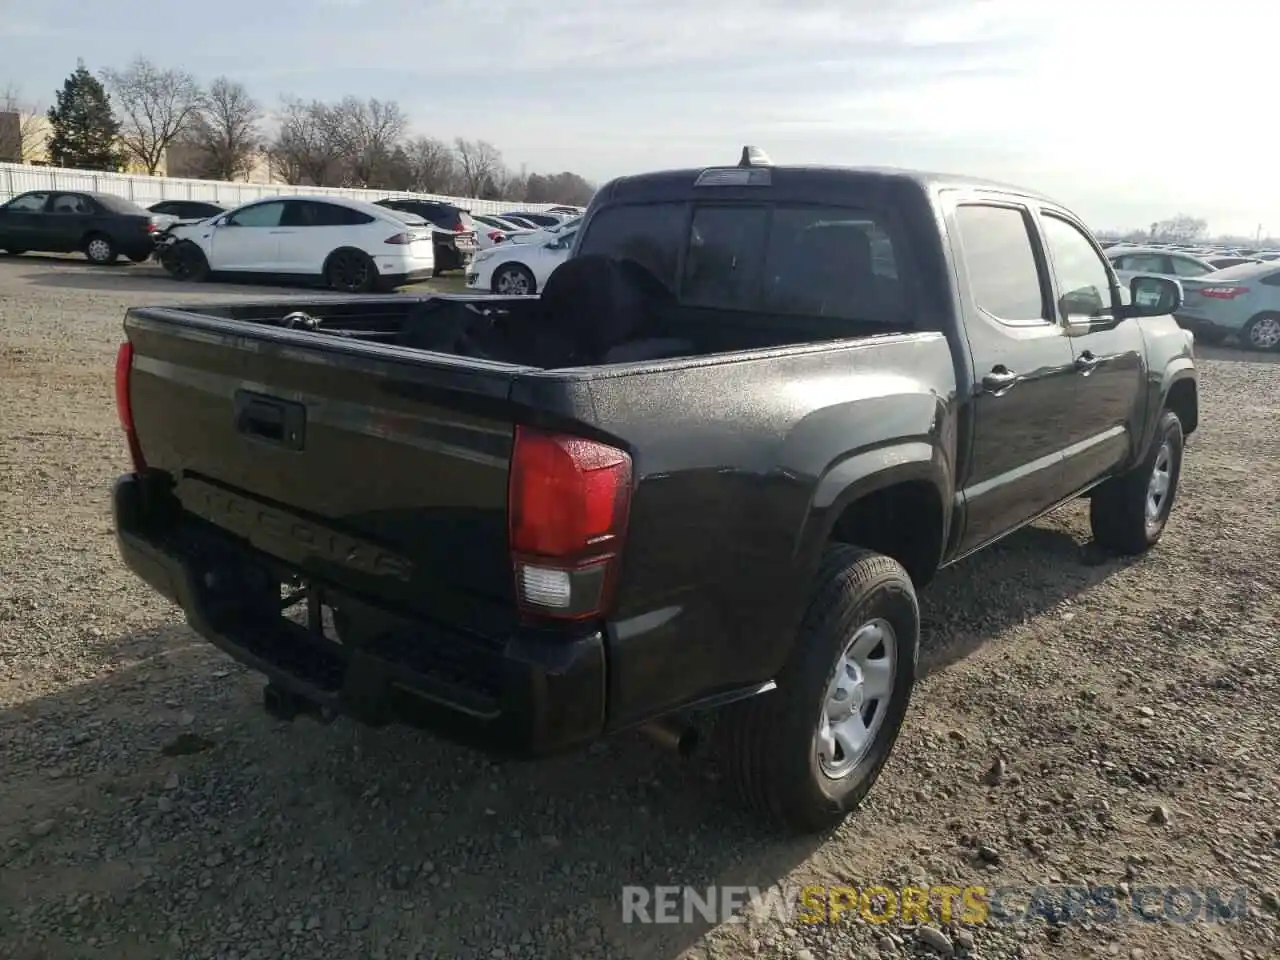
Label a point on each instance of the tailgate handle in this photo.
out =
(276, 421)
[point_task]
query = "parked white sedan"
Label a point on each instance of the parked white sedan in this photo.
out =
(349, 245)
(519, 269)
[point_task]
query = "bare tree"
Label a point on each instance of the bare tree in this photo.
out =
(156, 108)
(224, 135)
(432, 164)
(22, 132)
(370, 131)
(309, 147)
(1182, 228)
(479, 166)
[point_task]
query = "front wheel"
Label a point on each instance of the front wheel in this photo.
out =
(805, 754)
(1262, 332)
(185, 261)
(514, 280)
(1128, 513)
(100, 250)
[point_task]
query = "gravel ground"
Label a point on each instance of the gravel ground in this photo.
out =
(150, 808)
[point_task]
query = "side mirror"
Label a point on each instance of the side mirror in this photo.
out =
(1153, 297)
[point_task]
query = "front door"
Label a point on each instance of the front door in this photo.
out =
(248, 240)
(1022, 370)
(1109, 355)
(20, 221)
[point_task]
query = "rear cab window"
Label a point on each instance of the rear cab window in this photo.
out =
(771, 258)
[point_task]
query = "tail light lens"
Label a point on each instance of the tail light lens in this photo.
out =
(400, 239)
(497, 236)
(568, 504)
(124, 404)
(1223, 293)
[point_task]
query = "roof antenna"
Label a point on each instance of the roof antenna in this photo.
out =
(754, 157)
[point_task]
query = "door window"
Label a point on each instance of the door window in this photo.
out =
(259, 215)
(71, 203)
(1183, 267)
(1144, 263)
(1001, 262)
(1084, 282)
(28, 203)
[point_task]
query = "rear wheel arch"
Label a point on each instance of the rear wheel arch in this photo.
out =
(892, 500)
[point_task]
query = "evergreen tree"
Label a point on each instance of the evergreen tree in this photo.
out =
(85, 131)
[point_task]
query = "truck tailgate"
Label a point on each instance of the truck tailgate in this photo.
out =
(349, 462)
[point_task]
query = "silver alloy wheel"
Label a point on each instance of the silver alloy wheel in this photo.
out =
(513, 283)
(1265, 333)
(1158, 485)
(99, 250)
(857, 698)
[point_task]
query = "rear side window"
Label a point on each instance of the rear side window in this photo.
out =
(1272, 280)
(308, 213)
(650, 234)
(1144, 263)
(1001, 263)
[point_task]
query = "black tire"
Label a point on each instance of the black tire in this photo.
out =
(510, 277)
(185, 261)
(350, 271)
(100, 249)
(1260, 333)
(1118, 511)
(771, 741)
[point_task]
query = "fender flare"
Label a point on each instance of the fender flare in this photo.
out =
(868, 471)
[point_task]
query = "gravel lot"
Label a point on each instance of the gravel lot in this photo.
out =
(150, 809)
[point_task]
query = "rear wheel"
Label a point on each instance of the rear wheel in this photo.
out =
(350, 271)
(514, 280)
(100, 249)
(1128, 513)
(1262, 332)
(805, 754)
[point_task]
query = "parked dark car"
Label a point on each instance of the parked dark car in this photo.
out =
(187, 209)
(708, 467)
(100, 225)
(455, 233)
(538, 219)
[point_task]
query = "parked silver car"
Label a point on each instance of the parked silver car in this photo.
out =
(1131, 262)
(1242, 302)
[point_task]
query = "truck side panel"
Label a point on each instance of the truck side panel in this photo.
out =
(732, 459)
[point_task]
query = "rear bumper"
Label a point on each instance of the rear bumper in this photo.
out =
(524, 695)
(1201, 325)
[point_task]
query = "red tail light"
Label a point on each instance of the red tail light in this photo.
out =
(124, 405)
(1223, 293)
(400, 239)
(497, 236)
(568, 504)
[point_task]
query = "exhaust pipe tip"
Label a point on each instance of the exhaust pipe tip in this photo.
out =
(681, 739)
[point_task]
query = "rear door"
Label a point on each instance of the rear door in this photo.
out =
(1105, 421)
(70, 218)
(1023, 368)
(248, 241)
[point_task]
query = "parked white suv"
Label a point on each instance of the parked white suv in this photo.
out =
(349, 245)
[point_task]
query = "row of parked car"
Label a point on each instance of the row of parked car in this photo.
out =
(1227, 293)
(348, 245)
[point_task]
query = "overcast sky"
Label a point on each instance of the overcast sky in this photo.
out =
(1127, 116)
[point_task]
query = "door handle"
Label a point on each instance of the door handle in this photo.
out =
(1086, 363)
(999, 380)
(270, 419)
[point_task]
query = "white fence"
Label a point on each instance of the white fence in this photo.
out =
(16, 178)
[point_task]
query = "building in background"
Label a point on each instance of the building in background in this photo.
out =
(24, 138)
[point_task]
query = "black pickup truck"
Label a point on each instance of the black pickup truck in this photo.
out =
(709, 467)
